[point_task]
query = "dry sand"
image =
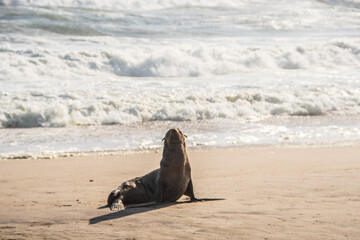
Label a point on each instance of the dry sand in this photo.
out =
(271, 193)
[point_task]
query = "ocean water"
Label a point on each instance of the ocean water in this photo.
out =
(87, 75)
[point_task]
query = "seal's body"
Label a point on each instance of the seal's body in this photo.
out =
(166, 184)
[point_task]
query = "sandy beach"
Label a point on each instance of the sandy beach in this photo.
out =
(270, 193)
(268, 93)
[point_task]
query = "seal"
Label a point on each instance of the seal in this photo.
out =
(165, 184)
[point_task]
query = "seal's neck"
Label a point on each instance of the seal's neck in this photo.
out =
(177, 152)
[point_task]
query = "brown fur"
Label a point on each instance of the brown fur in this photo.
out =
(166, 184)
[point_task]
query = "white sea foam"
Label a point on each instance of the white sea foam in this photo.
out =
(157, 4)
(347, 3)
(153, 100)
(74, 66)
(189, 59)
(127, 5)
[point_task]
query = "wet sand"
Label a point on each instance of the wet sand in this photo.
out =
(270, 193)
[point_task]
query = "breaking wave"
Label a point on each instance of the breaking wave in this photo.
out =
(197, 102)
(179, 60)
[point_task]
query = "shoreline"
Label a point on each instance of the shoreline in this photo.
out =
(270, 192)
(49, 142)
(57, 155)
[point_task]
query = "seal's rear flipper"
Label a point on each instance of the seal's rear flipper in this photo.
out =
(117, 205)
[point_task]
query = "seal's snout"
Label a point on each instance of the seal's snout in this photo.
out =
(174, 136)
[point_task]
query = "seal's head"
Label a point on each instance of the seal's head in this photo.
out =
(174, 138)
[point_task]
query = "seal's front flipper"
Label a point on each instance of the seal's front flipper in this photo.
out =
(209, 199)
(190, 192)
